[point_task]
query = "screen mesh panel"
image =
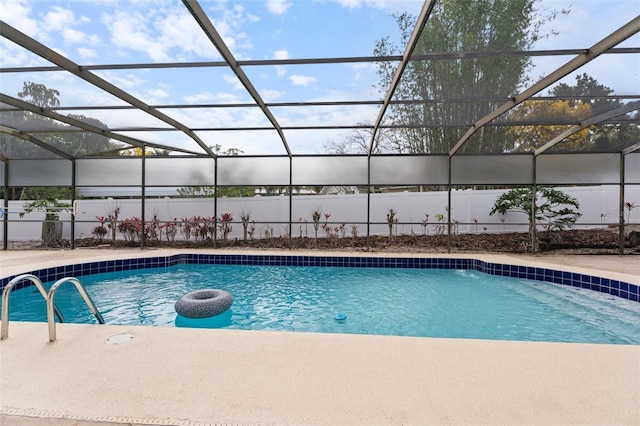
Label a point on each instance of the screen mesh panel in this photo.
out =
(109, 172)
(257, 171)
(330, 171)
(578, 169)
(180, 171)
(40, 173)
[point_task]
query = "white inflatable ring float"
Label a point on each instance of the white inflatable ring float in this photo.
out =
(204, 303)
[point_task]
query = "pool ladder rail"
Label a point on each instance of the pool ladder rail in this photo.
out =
(52, 308)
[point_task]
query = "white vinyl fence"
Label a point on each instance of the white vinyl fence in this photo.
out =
(416, 212)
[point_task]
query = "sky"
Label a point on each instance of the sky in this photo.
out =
(161, 31)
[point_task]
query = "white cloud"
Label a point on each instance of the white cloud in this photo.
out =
(87, 53)
(229, 25)
(17, 13)
(12, 56)
(380, 4)
(126, 82)
(93, 39)
(270, 95)
(208, 97)
(301, 80)
(281, 54)
(199, 98)
(169, 34)
(233, 81)
(619, 72)
(158, 93)
(227, 98)
(281, 71)
(216, 5)
(72, 36)
(129, 32)
(58, 19)
(177, 31)
(278, 7)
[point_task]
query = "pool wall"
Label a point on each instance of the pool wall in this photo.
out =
(617, 288)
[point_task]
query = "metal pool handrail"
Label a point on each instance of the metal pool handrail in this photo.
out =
(51, 304)
(5, 301)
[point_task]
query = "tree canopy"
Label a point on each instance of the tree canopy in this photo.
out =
(575, 103)
(477, 83)
(58, 135)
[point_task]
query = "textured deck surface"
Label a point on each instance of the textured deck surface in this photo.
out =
(190, 376)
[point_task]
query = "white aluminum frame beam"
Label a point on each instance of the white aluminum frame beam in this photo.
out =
(205, 23)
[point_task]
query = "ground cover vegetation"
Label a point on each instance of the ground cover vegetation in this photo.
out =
(553, 217)
(349, 238)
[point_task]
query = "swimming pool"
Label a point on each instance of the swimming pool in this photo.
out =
(409, 297)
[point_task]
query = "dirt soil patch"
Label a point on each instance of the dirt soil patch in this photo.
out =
(577, 241)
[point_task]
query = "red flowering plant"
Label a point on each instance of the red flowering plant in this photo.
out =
(225, 224)
(199, 227)
(100, 231)
(152, 230)
(207, 228)
(131, 228)
(325, 225)
(170, 229)
(185, 228)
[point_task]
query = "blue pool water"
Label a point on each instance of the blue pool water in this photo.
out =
(402, 302)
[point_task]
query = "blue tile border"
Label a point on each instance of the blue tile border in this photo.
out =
(621, 289)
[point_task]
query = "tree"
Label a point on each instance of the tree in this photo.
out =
(84, 143)
(47, 193)
(61, 136)
(479, 26)
(554, 209)
(602, 137)
(616, 137)
(39, 94)
(536, 121)
(74, 143)
(358, 141)
(588, 90)
(542, 115)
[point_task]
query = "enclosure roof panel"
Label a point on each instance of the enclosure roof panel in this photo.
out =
(302, 78)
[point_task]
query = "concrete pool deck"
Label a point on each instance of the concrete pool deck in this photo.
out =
(172, 376)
